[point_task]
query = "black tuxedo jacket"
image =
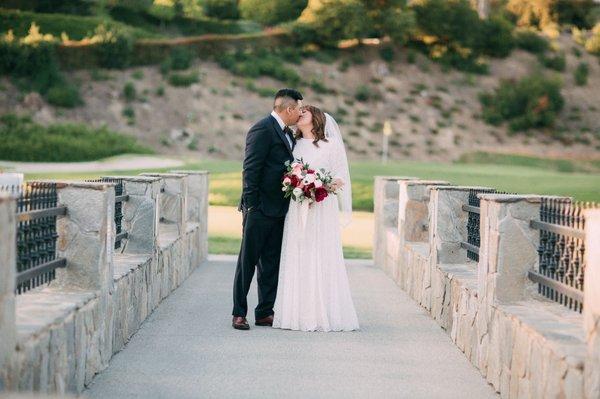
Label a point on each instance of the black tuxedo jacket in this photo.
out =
(267, 149)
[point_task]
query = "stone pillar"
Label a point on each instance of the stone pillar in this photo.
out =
(173, 199)
(591, 308)
(8, 266)
(197, 203)
(508, 247)
(86, 236)
(448, 223)
(140, 213)
(386, 212)
(413, 209)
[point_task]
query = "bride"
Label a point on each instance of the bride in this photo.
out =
(313, 293)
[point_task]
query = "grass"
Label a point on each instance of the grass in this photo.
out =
(533, 176)
(231, 246)
(559, 165)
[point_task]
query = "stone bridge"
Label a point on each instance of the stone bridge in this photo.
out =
(150, 318)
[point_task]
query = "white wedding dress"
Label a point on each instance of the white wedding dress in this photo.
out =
(313, 293)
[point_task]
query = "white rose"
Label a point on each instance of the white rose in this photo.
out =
(297, 192)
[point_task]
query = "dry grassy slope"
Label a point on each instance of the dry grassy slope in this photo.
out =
(219, 110)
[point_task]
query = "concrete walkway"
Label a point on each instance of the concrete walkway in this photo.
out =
(187, 349)
(121, 162)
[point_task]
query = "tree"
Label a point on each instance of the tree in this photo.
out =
(335, 20)
(271, 12)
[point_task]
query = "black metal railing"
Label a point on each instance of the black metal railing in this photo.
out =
(37, 209)
(120, 197)
(473, 234)
(561, 267)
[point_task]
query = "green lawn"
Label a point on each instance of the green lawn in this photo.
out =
(226, 179)
(231, 246)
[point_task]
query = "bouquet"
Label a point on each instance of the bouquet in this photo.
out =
(302, 183)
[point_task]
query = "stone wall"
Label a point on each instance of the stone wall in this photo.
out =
(524, 345)
(57, 337)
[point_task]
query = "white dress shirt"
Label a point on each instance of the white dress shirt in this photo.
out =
(282, 126)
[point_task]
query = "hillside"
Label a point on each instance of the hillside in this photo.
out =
(435, 113)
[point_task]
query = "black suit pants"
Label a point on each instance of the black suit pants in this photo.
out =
(261, 249)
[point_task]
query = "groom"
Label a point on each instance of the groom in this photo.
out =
(269, 144)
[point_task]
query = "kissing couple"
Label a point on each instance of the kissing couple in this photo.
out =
(295, 245)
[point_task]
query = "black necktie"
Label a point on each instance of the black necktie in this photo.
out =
(290, 134)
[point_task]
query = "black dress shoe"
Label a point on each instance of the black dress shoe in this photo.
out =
(265, 321)
(240, 323)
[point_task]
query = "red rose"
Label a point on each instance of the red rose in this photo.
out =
(310, 171)
(308, 188)
(295, 181)
(320, 194)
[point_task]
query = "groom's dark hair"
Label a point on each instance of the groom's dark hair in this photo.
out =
(286, 94)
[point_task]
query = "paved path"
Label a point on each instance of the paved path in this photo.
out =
(121, 162)
(187, 349)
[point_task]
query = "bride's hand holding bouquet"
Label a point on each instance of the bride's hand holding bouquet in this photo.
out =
(301, 183)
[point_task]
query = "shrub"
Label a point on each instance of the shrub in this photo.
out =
(128, 112)
(221, 9)
(129, 91)
(453, 34)
(271, 12)
(387, 53)
(592, 44)
(334, 20)
(318, 86)
(114, 52)
(496, 38)
(193, 144)
(64, 95)
(99, 75)
(160, 91)
(531, 41)
(255, 64)
(363, 93)
(558, 61)
(34, 68)
(453, 22)
(339, 20)
(533, 101)
(24, 140)
(75, 26)
(576, 12)
(266, 92)
(533, 13)
(183, 79)
(180, 58)
(581, 74)
(36, 63)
